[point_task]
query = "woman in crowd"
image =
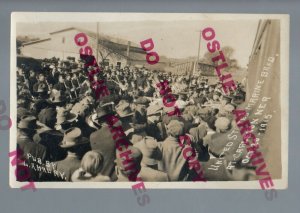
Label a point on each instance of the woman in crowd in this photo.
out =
(91, 165)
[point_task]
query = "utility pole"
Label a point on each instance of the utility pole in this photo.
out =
(197, 62)
(127, 53)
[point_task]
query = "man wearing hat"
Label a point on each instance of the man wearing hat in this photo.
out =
(65, 120)
(222, 147)
(26, 130)
(47, 118)
(60, 86)
(220, 139)
(172, 160)
(103, 142)
(57, 98)
(41, 87)
(139, 125)
(95, 120)
(31, 80)
(75, 82)
(151, 153)
(155, 128)
(143, 101)
(70, 90)
(201, 99)
(125, 114)
(48, 136)
(198, 133)
(72, 143)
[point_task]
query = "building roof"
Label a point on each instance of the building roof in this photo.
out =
(36, 41)
(117, 44)
(63, 30)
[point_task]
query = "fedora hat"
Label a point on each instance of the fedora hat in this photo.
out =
(76, 70)
(93, 120)
(102, 111)
(73, 137)
(80, 109)
(109, 105)
(65, 116)
(28, 122)
(226, 97)
(142, 101)
(139, 119)
(154, 109)
(123, 109)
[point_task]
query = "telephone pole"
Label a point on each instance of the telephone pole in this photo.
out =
(197, 61)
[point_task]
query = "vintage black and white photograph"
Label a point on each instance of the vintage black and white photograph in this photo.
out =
(102, 100)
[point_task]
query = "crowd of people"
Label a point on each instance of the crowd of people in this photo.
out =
(62, 127)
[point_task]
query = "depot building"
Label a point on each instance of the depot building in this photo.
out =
(60, 44)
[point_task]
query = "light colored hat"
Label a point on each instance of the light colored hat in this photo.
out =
(154, 109)
(87, 100)
(123, 109)
(142, 101)
(76, 70)
(28, 122)
(65, 116)
(73, 138)
(228, 107)
(181, 104)
(80, 109)
(222, 123)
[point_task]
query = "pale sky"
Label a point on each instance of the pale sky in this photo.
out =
(172, 39)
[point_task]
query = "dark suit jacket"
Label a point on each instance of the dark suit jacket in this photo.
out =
(35, 150)
(51, 140)
(102, 141)
(60, 87)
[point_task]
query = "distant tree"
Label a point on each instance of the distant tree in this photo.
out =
(18, 44)
(23, 39)
(107, 48)
(105, 53)
(228, 52)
